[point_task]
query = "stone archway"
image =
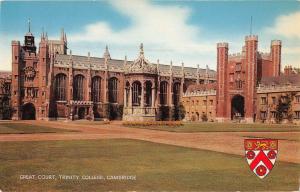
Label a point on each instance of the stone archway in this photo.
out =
(28, 112)
(237, 107)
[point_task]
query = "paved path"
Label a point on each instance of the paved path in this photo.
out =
(226, 142)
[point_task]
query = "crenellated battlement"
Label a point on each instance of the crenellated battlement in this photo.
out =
(222, 44)
(264, 55)
(15, 42)
(235, 54)
(251, 38)
(275, 42)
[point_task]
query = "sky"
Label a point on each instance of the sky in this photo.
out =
(177, 31)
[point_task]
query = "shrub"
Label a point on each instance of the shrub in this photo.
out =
(152, 123)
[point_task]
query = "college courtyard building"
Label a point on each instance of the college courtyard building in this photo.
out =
(50, 83)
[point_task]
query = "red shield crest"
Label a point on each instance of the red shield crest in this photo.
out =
(261, 155)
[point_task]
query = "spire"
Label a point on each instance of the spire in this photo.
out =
(106, 54)
(171, 67)
(206, 75)
(43, 34)
(125, 61)
(182, 69)
(157, 66)
(251, 25)
(29, 22)
(141, 49)
(197, 74)
(65, 37)
(62, 34)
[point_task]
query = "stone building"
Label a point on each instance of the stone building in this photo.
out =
(5, 83)
(200, 102)
(238, 76)
(273, 89)
(48, 83)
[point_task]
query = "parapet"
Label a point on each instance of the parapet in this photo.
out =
(275, 42)
(222, 44)
(251, 38)
(15, 42)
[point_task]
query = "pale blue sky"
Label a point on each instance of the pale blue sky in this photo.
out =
(182, 31)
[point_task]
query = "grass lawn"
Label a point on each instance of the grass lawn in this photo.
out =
(23, 128)
(156, 166)
(225, 127)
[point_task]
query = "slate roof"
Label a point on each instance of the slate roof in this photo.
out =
(293, 79)
(202, 87)
(5, 74)
(96, 63)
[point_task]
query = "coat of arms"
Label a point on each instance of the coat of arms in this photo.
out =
(261, 155)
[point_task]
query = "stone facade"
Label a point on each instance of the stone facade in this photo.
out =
(5, 83)
(273, 89)
(51, 84)
(200, 102)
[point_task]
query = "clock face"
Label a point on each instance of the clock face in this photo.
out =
(29, 72)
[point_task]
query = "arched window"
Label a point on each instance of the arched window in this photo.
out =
(163, 93)
(127, 92)
(78, 92)
(176, 93)
(60, 87)
(148, 96)
(113, 90)
(96, 87)
(136, 93)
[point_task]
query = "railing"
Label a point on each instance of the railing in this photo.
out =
(200, 93)
(140, 110)
(73, 102)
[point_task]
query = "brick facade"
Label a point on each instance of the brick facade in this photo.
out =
(238, 76)
(51, 84)
(47, 83)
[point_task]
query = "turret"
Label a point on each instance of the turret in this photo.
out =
(276, 57)
(106, 54)
(15, 85)
(251, 43)
(222, 67)
(29, 40)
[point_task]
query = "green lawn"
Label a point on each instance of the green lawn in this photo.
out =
(225, 127)
(156, 166)
(23, 128)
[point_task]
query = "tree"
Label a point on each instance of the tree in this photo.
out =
(204, 117)
(284, 107)
(179, 112)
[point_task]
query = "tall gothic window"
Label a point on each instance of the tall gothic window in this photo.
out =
(148, 96)
(60, 87)
(176, 93)
(163, 93)
(136, 93)
(96, 87)
(78, 93)
(127, 92)
(113, 90)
